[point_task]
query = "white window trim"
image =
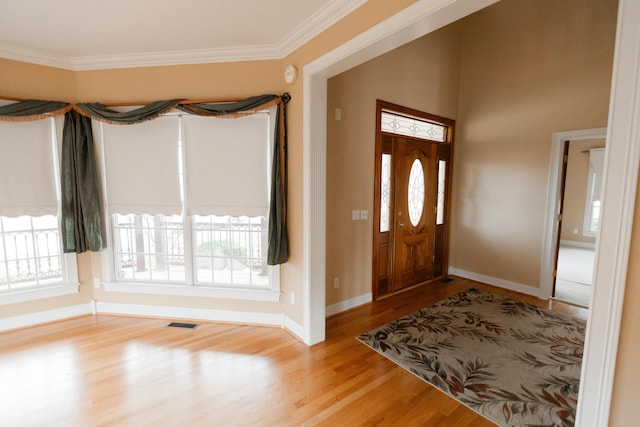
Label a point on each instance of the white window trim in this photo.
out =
(195, 291)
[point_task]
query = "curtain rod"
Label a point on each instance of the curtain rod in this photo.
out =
(132, 104)
(12, 98)
(185, 101)
(593, 148)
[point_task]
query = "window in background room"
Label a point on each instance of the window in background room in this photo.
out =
(594, 190)
(188, 198)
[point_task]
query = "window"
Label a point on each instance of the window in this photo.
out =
(385, 192)
(415, 192)
(594, 190)
(30, 252)
(32, 264)
(442, 182)
(149, 248)
(188, 199)
(415, 127)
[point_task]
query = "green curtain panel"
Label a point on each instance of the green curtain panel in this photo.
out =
(278, 249)
(82, 228)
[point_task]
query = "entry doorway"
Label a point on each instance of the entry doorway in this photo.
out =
(411, 198)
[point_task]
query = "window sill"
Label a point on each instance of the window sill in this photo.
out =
(16, 297)
(192, 291)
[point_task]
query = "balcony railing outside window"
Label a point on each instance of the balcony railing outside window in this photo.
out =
(30, 255)
(226, 251)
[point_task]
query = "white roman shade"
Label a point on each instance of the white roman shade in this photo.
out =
(27, 178)
(226, 165)
(141, 167)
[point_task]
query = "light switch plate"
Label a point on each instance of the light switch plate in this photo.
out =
(355, 215)
(364, 214)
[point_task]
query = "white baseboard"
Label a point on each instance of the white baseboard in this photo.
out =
(348, 304)
(576, 244)
(40, 317)
(501, 283)
(294, 327)
(248, 318)
(96, 307)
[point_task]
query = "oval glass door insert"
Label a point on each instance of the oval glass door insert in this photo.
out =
(415, 195)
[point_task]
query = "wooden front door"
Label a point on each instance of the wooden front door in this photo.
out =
(411, 207)
(414, 211)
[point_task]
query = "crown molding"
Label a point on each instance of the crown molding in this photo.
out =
(303, 33)
(183, 57)
(33, 56)
(317, 23)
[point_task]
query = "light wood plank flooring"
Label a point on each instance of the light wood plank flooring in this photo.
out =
(124, 371)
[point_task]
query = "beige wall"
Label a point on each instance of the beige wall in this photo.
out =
(506, 66)
(575, 194)
(22, 80)
(203, 81)
(529, 68)
(423, 75)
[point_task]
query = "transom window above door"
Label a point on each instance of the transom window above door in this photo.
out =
(415, 127)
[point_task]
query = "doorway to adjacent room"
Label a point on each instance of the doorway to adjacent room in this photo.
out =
(573, 216)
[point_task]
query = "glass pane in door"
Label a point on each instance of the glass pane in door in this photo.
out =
(385, 192)
(442, 167)
(416, 192)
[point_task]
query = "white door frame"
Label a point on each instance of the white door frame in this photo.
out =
(620, 181)
(554, 199)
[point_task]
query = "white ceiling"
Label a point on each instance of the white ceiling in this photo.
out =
(92, 34)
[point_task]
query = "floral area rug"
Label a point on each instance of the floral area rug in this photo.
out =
(512, 362)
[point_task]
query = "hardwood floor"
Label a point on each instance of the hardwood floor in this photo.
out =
(119, 371)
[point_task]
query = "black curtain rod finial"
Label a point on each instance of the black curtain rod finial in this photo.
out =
(286, 97)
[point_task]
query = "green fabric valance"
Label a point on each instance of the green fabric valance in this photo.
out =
(105, 114)
(243, 107)
(33, 109)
